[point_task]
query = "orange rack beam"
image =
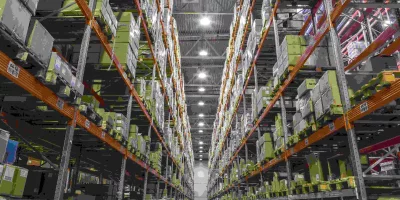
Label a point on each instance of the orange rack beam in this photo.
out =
(25, 80)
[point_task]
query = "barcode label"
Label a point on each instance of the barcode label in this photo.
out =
(60, 103)
(57, 66)
(13, 69)
(364, 107)
(306, 141)
(103, 134)
(9, 174)
(331, 126)
(23, 173)
(87, 123)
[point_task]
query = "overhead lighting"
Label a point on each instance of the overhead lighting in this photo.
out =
(200, 159)
(201, 151)
(201, 123)
(201, 115)
(201, 103)
(201, 155)
(200, 142)
(200, 131)
(386, 23)
(202, 75)
(205, 21)
(202, 89)
(203, 53)
(201, 147)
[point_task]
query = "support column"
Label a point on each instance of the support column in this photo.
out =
(123, 164)
(286, 139)
(76, 172)
(69, 136)
(354, 153)
(120, 192)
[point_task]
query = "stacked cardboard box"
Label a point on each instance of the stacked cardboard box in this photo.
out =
(327, 96)
(133, 137)
(304, 117)
(102, 11)
(39, 41)
(88, 107)
(278, 134)
(121, 127)
(156, 157)
(317, 169)
(12, 180)
(265, 148)
(15, 17)
(125, 44)
(57, 68)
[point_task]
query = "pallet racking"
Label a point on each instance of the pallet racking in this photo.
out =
(28, 82)
(385, 42)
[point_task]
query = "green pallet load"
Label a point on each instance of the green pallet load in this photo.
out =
(39, 41)
(156, 157)
(13, 180)
(132, 138)
(304, 119)
(265, 148)
(102, 12)
(290, 51)
(275, 185)
(88, 107)
(329, 103)
(20, 177)
(317, 170)
(125, 44)
(340, 171)
(15, 17)
(297, 183)
(278, 135)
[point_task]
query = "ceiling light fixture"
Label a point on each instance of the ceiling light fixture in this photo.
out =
(201, 123)
(201, 155)
(203, 53)
(200, 131)
(200, 142)
(201, 151)
(205, 21)
(201, 115)
(201, 147)
(201, 103)
(202, 75)
(202, 89)
(200, 159)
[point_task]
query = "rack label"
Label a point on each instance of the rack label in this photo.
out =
(60, 103)
(306, 141)
(331, 126)
(364, 107)
(13, 69)
(87, 123)
(103, 134)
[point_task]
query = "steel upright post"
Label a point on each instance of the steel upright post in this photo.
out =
(355, 157)
(69, 136)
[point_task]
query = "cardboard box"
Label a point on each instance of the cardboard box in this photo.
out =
(306, 85)
(40, 42)
(15, 17)
(319, 110)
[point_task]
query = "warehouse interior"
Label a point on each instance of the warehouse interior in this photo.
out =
(199, 99)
